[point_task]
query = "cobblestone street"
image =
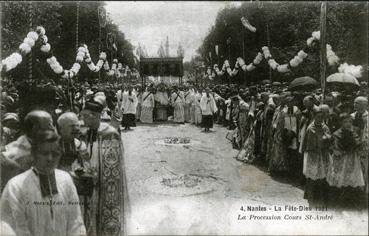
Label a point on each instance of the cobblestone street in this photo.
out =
(199, 188)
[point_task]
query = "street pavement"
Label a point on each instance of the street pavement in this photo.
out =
(200, 188)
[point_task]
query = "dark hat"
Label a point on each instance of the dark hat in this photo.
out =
(37, 121)
(93, 105)
(97, 103)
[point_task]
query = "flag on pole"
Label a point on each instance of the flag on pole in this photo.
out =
(217, 50)
(247, 24)
(115, 47)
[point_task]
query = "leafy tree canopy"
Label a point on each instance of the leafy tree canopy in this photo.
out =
(289, 25)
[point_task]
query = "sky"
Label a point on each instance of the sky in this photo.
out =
(149, 23)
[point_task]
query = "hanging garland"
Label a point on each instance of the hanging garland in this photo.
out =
(15, 58)
(332, 60)
(55, 65)
(99, 64)
(83, 55)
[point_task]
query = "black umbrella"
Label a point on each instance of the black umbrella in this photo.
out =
(305, 83)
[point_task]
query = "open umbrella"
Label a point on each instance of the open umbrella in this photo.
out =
(343, 80)
(305, 83)
(276, 83)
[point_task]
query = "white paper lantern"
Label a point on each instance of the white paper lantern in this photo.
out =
(45, 47)
(53, 59)
(81, 49)
(29, 41)
(226, 63)
(100, 63)
(58, 70)
(103, 56)
(33, 35)
(250, 67)
(316, 35)
(41, 30)
(309, 41)
(44, 39)
(25, 48)
(293, 62)
(81, 54)
(240, 61)
(283, 68)
(79, 59)
(91, 66)
(302, 54)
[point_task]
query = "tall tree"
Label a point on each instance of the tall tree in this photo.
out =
(289, 26)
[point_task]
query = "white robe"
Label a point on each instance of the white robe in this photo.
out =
(208, 106)
(128, 106)
(28, 213)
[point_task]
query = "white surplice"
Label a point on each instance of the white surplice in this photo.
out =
(28, 213)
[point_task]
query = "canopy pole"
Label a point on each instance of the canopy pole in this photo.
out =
(30, 58)
(243, 52)
(229, 59)
(323, 47)
(268, 42)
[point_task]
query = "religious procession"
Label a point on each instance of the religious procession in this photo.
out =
(256, 104)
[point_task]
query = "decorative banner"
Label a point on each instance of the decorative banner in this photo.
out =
(247, 25)
(217, 50)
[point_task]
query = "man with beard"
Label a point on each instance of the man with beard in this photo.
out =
(109, 199)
